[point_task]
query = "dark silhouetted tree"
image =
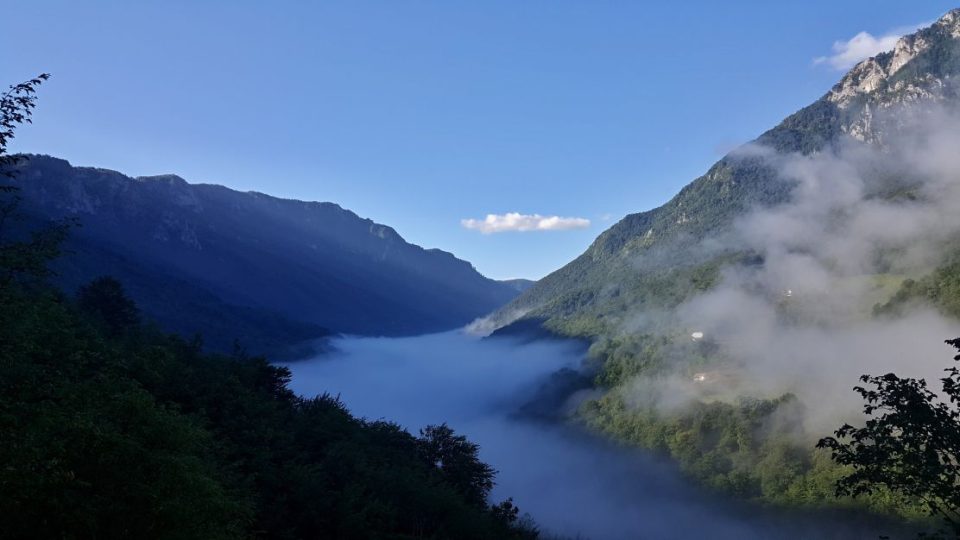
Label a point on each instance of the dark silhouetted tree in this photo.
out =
(16, 108)
(457, 460)
(909, 445)
(26, 255)
(105, 299)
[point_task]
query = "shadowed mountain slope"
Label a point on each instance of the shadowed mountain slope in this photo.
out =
(205, 258)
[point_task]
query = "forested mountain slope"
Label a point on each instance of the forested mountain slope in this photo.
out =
(657, 258)
(112, 429)
(204, 258)
(728, 326)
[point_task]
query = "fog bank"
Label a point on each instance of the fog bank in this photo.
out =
(798, 315)
(571, 484)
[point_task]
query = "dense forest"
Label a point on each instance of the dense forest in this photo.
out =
(112, 428)
(752, 447)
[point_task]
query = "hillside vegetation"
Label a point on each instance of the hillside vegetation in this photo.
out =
(112, 428)
(630, 292)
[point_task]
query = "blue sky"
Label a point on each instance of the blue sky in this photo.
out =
(421, 115)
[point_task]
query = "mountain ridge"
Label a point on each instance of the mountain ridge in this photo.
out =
(312, 263)
(727, 326)
(596, 285)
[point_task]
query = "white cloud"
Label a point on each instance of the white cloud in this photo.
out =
(847, 54)
(514, 221)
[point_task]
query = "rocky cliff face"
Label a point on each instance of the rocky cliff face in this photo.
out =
(921, 68)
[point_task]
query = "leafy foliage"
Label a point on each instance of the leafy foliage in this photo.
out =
(457, 460)
(16, 108)
(746, 448)
(940, 288)
(752, 449)
(113, 429)
(140, 434)
(22, 256)
(909, 445)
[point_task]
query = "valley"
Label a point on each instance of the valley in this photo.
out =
(573, 484)
(767, 354)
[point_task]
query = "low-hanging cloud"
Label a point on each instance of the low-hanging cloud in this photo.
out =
(573, 485)
(517, 222)
(861, 218)
(849, 53)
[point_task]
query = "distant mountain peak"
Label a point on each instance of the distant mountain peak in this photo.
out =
(951, 21)
(879, 74)
(627, 263)
(922, 67)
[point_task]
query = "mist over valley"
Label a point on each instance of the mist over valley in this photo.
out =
(328, 327)
(573, 483)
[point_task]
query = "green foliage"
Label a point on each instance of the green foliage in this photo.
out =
(624, 356)
(87, 450)
(22, 257)
(753, 449)
(940, 288)
(749, 447)
(456, 459)
(603, 310)
(909, 445)
(16, 108)
(139, 434)
(651, 262)
(112, 429)
(745, 448)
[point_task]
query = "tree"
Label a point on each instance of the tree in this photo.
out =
(105, 299)
(16, 108)
(18, 256)
(116, 430)
(457, 460)
(909, 445)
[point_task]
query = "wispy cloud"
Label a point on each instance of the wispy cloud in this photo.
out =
(849, 53)
(514, 221)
